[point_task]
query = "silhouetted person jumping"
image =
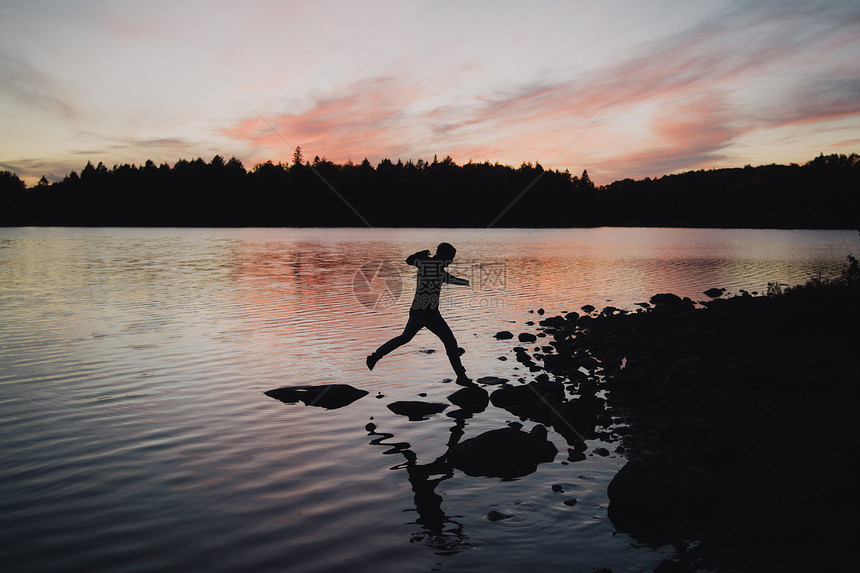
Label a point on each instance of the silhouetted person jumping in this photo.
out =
(425, 307)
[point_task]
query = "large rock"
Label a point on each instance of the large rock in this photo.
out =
(523, 356)
(505, 453)
(554, 322)
(416, 410)
(660, 496)
(563, 363)
(576, 419)
(534, 400)
(471, 399)
(329, 396)
(666, 298)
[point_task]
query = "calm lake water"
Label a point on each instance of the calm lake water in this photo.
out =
(136, 436)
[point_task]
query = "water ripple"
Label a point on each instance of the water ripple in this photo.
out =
(136, 435)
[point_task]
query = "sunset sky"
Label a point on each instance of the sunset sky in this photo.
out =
(621, 88)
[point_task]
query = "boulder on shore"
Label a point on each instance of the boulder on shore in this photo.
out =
(660, 495)
(575, 418)
(329, 396)
(533, 400)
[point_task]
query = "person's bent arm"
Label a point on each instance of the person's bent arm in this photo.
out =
(413, 258)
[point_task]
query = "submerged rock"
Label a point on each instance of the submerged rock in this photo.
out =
(416, 410)
(505, 453)
(329, 396)
(492, 379)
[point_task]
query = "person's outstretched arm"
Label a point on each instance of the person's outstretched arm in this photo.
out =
(452, 280)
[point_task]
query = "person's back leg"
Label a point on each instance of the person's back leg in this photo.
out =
(413, 325)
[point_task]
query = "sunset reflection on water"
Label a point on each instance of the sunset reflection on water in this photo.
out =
(134, 363)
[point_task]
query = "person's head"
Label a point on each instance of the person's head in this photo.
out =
(445, 252)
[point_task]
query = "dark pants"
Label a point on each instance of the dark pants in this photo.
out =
(433, 321)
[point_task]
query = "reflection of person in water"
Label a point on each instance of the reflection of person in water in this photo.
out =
(439, 531)
(425, 307)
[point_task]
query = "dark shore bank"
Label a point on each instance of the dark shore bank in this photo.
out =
(737, 418)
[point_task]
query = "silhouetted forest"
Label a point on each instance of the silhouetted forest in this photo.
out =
(823, 193)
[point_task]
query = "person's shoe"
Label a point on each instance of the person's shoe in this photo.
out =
(464, 380)
(371, 361)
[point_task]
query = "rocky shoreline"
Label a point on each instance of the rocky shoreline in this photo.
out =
(736, 415)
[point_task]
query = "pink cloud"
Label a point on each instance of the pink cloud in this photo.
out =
(680, 90)
(366, 119)
(689, 81)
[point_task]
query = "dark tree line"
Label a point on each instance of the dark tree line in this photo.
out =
(822, 193)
